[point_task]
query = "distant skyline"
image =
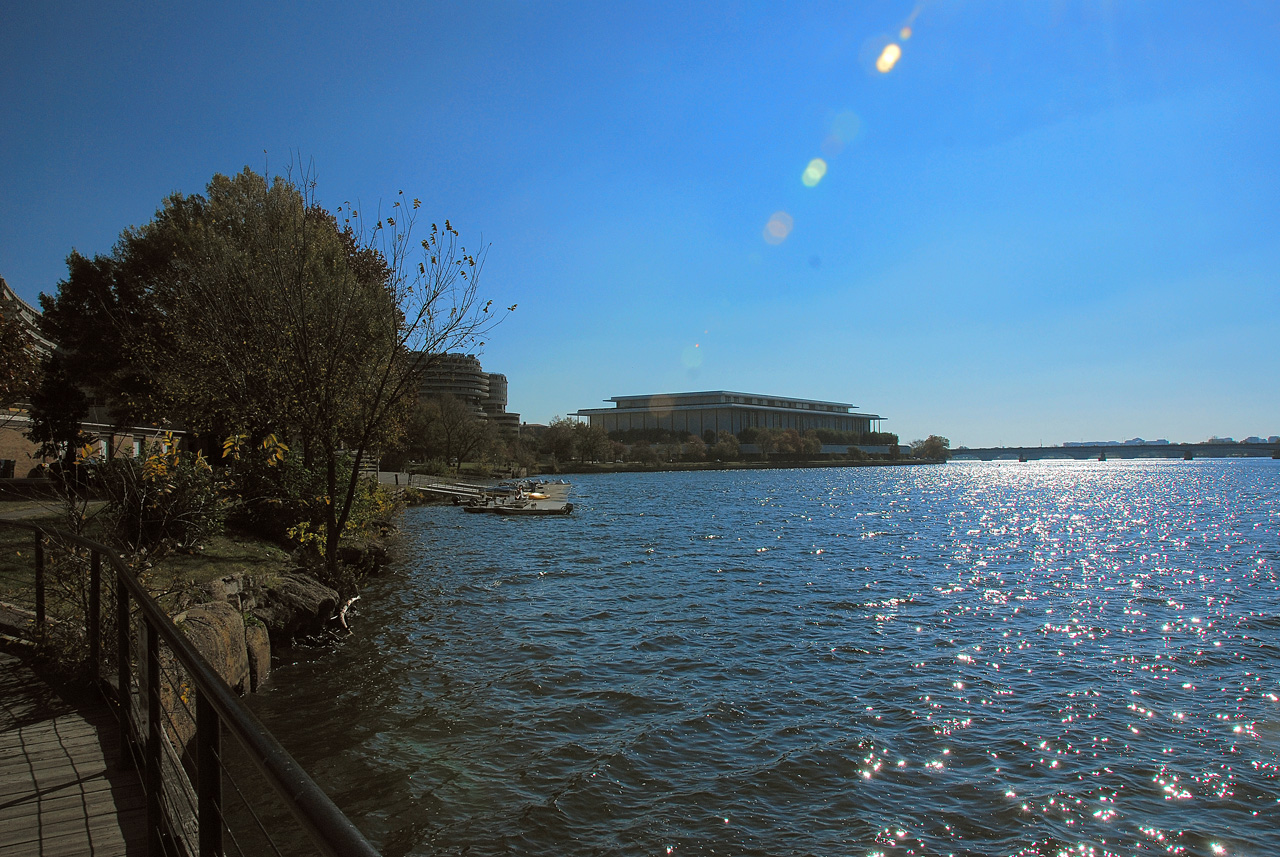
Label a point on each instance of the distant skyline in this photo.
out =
(1032, 223)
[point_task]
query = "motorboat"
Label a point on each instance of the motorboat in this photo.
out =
(524, 497)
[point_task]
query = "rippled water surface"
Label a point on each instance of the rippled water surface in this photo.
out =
(1000, 658)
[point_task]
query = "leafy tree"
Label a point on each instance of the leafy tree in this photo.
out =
(695, 448)
(109, 325)
(767, 441)
(255, 311)
(445, 427)
(592, 442)
(643, 453)
(788, 442)
(522, 453)
(725, 448)
(933, 447)
(560, 440)
(57, 408)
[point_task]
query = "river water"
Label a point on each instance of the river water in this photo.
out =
(977, 658)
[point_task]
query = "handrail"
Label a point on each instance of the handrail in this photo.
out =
(328, 827)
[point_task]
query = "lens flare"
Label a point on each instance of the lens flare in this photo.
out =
(814, 172)
(842, 129)
(904, 33)
(778, 228)
(691, 357)
(888, 58)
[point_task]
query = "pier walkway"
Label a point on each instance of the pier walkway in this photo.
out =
(63, 792)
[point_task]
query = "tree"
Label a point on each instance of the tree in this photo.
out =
(593, 442)
(57, 408)
(695, 448)
(444, 427)
(725, 448)
(560, 440)
(254, 311)
(933, 447)
(109, 326)
(766, 440)
(643, 453)
(340, 307)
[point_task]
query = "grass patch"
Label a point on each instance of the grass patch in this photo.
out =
(225, 555)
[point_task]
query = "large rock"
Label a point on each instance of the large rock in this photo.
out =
(296, 606)
(257, 644)
(216, 629)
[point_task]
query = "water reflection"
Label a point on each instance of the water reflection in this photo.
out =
(978, 658)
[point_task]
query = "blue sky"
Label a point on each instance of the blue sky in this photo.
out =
(1048, 221)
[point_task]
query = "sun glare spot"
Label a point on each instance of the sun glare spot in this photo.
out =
(888, 58)
(904, 33)
(778, 227)
(814, 172)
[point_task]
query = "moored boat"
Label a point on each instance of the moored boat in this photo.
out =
(527, 497)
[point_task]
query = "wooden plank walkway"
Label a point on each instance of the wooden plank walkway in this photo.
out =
(62, 791)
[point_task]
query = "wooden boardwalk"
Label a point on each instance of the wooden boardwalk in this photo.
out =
(62, 791)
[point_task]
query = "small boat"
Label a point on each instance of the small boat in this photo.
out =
(535, 507)
(528, 497)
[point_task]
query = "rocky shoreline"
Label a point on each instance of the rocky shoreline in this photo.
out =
(240, 619)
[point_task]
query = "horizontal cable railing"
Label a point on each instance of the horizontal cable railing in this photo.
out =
(151, 675)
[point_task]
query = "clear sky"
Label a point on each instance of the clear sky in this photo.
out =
(1046, 222)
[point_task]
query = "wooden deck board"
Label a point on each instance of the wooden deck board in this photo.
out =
(62, 791)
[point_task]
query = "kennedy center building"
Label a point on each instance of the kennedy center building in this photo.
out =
(720, 410)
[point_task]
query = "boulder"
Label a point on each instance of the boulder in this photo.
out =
(216, 629)
(257, 644)
(295, 606)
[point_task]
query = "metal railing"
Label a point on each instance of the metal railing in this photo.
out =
(147, 670)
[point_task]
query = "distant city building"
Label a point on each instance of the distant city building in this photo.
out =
(721, 410)
(461, 376)
(495, 406)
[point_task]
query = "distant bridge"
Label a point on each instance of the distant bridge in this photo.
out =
(1146, 450)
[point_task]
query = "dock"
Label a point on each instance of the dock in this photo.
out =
(63, 791)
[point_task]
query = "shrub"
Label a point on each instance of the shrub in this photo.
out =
(165, 500)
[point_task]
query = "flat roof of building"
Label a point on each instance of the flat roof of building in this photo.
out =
(650, 396)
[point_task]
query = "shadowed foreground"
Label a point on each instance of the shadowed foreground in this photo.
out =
(62, 791)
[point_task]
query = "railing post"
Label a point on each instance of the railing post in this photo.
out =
(209, 775)
(95, 618)
(124, 659)
(40, 583)
(155, 823)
